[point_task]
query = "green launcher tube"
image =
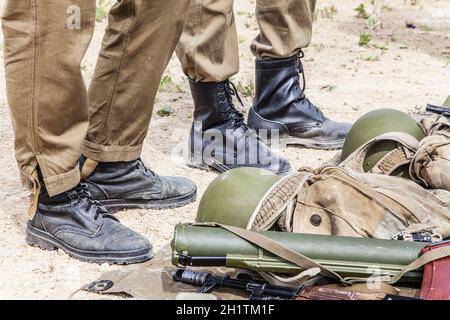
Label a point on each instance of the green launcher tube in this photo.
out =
(202, 246)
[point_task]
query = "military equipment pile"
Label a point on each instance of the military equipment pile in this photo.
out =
(367, 225)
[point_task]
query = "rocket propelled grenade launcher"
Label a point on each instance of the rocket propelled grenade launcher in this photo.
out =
(201, 246)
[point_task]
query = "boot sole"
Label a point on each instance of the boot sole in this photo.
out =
(115, 205)
(45, 241)
(313, 144)
(221, 168)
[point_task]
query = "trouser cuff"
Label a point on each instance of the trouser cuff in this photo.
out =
(103, 153)
(62, 182)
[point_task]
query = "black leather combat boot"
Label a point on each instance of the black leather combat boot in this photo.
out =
(83, 228)
(127, 185)
(280, 104)
(219, 137)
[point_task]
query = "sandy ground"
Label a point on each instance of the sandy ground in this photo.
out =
(344, 79)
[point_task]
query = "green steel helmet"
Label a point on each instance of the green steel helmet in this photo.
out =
(233, 196)
(372, 125)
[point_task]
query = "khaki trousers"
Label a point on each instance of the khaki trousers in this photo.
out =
(208, 49)
(54, 117)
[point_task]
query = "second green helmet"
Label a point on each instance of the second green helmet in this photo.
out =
(374, 124)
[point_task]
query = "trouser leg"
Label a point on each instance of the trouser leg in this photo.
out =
(285, 27)
(45, 42)
(139, 41)
(208, 49)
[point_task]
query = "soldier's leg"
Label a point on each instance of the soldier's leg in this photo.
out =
(140, 39)
(285, 27)
(208, 49)
(209, 53)
(280, 103)
(45, 42)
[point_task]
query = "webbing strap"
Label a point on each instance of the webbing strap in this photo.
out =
(407, 146)
(281, 251)
(392, 160)
(424, 259)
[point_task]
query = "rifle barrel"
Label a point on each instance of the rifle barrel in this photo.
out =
(445, 111)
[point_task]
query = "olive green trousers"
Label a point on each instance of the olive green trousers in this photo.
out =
(55, 117)
(209, 47)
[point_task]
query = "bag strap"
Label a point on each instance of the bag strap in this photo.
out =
(300, 260)
(281, 251)
(424, 259)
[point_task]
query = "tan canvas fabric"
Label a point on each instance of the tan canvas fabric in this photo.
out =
(153, 280)
(367, 205)
(438, 126)
(431, 163)
(45, 42)
(428, 160)
(336, 201)
(209, 51)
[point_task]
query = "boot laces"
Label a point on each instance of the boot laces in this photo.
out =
(303, 97)
(228, 109)
(140, 164)
(83, 193)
